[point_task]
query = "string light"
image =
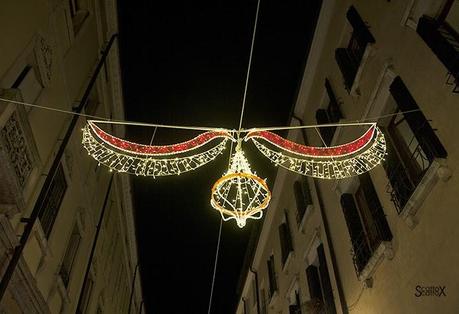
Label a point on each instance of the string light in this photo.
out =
(240, 194)
(146, 160)
(337, 162)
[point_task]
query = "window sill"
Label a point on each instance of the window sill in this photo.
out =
(437, 170)
(369, 52)
(383, 250)
(306, 215)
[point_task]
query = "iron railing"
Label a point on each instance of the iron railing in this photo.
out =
(367, 242)
(401, 183)
(313, 306)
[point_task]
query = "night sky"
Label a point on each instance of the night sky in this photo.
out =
(185, 64)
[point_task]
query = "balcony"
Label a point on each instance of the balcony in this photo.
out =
(351, 59)
(371, 243)
(443, 40)
(19, 159)
(408, 191)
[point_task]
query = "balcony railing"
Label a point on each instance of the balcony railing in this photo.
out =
(365, 243)
(349, 58)
(19, 159)
(313, 306)
(401, 184)
(361, 252)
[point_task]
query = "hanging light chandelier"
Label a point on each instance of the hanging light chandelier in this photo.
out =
(240, 194)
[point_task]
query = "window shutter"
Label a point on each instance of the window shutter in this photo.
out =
(288, 234)
(300, 201)
(375, 207)
(333, 110)
(285, 240)
(347, 66)
(325, 280)
(359, 26)
(306, 191)
(272, 276)
(312, 276)
(52, 201)
(418, 123)
(354, 225)
(439, 40)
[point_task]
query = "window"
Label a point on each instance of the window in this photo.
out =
(78, 13)
(52, 201)
(285, 239)
(294, 301)
(29, 85)
(350, 57)
(70, 255)
(365, 220)
(442, 36)
(87, 291)
(302, 197)
(412, 146)
(331, 114)
(320, 289)
(272, 277)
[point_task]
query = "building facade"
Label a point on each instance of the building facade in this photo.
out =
(81, 255)
(382, 242)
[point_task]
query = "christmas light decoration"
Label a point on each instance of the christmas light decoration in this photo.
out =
(240, 194)
(335, 162)
(148, 160)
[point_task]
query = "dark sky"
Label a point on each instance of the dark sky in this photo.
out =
(185, 63)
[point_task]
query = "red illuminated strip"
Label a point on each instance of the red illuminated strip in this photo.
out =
(124, 145)
(334, 151)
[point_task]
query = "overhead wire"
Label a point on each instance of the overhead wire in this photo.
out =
(244, 99)
(98, 119)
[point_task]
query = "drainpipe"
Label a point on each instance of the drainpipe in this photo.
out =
(339, 284)
(38, 207)
(94, 243)
(256, 287)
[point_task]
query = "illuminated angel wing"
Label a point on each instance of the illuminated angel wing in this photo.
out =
(148, 160)
(336, 162)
